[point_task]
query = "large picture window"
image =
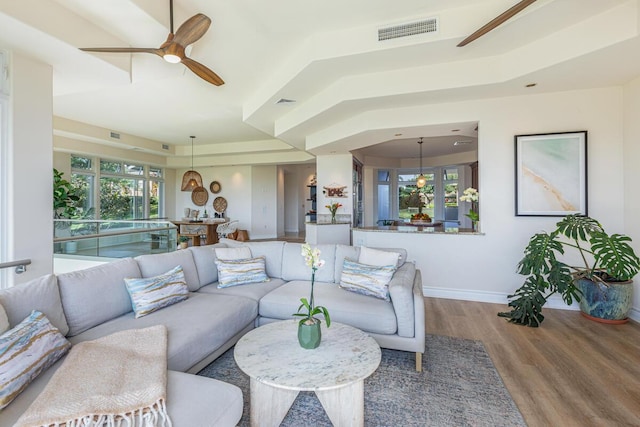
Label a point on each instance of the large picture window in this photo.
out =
(125, 190)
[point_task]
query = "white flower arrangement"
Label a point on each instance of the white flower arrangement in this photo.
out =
(469, 195)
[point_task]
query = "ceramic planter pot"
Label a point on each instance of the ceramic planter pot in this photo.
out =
(309, 336)
(608, 303)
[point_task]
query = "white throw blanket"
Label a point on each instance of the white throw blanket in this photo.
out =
(117, 381)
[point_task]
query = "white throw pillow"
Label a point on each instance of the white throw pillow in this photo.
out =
(377, 257)
(231, 254)
(4, 320)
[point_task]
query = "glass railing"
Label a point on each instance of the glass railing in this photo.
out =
(113, 239)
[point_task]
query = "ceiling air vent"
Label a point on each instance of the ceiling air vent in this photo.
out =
(165, 146)
(409, 29)
(115, 135)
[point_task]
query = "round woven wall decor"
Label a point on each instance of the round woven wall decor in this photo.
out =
(199, 196)
(220, 204)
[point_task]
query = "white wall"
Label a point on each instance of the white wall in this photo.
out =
(483, 267)
(632, 172)
(335, 170)
(250, 192)
(30, 182)
(236, 188)
(264, 202)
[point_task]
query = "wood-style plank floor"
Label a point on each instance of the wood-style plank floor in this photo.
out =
(571, 371)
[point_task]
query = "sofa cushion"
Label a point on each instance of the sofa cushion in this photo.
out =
(4, 321)
(197, 326)
(150, 294)
(27, 350)
(241, 271)
(378, 257)
(294, 267)
(97, 294)
(271, 250)
(371, 280)
(204, 259)
(241, 252)
(40, 294)
(360, 311)
(156, 264)
(193, 400)
(255, 291)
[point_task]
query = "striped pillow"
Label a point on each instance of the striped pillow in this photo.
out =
(241, 271)
(26, 351)
(367, 279)
(150, 294)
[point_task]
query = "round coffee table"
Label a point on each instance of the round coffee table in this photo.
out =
(279, 369)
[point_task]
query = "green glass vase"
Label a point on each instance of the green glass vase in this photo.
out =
(309, 335)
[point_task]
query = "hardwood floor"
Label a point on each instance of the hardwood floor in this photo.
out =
(569, 372)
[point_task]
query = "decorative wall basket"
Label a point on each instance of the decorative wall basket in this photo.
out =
(188, 175)
(199, 196)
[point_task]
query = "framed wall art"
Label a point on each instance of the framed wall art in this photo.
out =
(551, 174)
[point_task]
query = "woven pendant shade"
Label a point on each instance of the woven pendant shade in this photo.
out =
(191, 179)
(188, 176)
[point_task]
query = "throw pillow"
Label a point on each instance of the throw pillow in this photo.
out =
(150, 294)
(26, 351)
(4, 320)
(242, 252)
(377, 257)
(366, 279)
(241, 271)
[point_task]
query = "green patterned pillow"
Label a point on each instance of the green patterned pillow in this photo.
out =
(241, 271)
(150, 294)
(367, 279)
(26, 351)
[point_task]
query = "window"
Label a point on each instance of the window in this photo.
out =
(398, 196)
(126, 190)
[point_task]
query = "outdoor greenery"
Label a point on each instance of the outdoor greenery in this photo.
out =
(65, 196)
(605, 258)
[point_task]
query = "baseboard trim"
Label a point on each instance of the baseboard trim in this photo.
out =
(554, 302)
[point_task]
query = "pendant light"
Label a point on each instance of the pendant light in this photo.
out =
(421, 181)
(191, 179)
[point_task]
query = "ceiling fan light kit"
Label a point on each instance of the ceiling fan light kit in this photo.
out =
(172, 50)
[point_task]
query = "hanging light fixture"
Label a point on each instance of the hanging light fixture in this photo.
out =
(191, 179)
(421, 181)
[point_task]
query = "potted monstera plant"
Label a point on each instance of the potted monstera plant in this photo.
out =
(602, 283)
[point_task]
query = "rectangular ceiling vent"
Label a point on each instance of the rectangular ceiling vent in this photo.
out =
(165, 146)
(114, 135)
(429, 25)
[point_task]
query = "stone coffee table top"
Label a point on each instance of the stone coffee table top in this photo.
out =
(272, 355)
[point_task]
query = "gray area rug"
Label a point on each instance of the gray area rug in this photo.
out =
(459, 386)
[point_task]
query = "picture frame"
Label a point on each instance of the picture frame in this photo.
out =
(551, 174)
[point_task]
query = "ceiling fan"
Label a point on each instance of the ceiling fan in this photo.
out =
(498, 20)
(172, 50)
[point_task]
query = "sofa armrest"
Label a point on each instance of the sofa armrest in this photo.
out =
(402, 297)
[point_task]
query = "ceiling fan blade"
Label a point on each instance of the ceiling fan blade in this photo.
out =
(123, 50)
(504, 16)
(192, 30)
(202, 71)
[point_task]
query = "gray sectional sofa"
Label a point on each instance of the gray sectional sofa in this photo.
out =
(92, 303)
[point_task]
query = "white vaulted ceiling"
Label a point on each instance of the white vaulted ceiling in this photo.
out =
(324, 55)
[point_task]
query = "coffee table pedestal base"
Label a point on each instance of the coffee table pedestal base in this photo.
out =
(343, 405)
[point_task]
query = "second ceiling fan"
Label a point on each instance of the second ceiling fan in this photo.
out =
(173, 49)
